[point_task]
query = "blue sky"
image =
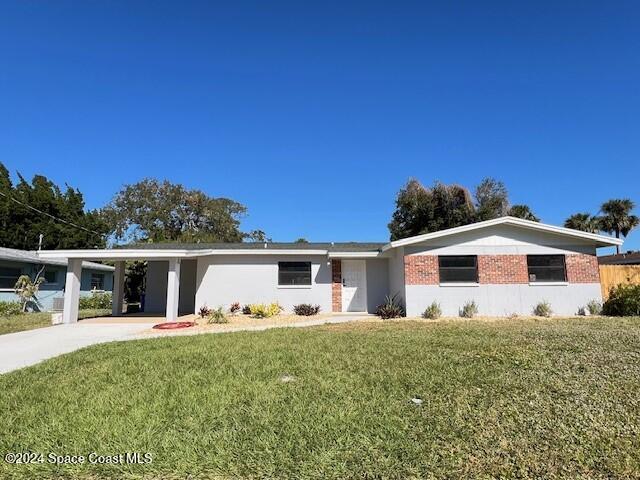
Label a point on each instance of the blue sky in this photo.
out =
(313, 115)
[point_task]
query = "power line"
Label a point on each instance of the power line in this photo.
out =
(51, 216)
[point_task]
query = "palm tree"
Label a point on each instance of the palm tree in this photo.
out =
(585, 222)
(524, 212)
(617, 217)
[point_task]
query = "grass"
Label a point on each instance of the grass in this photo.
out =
(512, 398)
(29, 321)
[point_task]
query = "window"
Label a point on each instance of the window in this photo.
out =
(97, 281)
(9, 276)
(294, 273)
(50, 276)
(462, 268)
(546, 268)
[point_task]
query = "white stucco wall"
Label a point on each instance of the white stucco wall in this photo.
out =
(377, 282)
(156, 287)
(396, 273)
(501, 299)
(224, 279)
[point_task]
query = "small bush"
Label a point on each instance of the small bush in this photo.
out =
(10, 308)
(234, 308)
(543, 309)
(594, 307)
(469, 310)
(246, 310)
(391, 308)
(217, 315)
(582, 311)
(95, 301)
(261, 310)
(433, 311)
(624, 300)
(306, 309)
(204, 311)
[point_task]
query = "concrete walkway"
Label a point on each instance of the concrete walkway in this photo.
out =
(22, 349)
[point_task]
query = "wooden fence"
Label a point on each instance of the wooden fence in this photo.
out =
(611, 275)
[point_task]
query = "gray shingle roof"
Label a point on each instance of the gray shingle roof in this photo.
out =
(29, 256)
(330, 246)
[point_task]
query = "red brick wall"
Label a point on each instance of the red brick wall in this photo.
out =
(336, 285)
(582, 268)
(497, 269)
(421, 270)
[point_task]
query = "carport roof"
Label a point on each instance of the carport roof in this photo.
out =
(328, 246)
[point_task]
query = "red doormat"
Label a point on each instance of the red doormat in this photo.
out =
(173, 325)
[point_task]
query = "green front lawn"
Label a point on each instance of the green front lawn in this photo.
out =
(29, 321)
(512, 398)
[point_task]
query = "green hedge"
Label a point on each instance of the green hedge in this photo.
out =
(95, 301)
(10, 308)
(623, 301)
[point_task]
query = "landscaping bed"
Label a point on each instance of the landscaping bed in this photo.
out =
(524, 398)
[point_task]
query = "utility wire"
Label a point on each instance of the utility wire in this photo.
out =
(51, 216)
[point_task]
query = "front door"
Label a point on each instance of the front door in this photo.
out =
(354, 286)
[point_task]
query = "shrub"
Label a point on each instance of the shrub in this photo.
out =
(469, 310)
(246, 310)
(391, 308)
(95, 301)
(594, 307)
(204, 311)
(261, 310)
(433, 311)
(543, 309)
(10, 308)
(234, 308)
(217, 315)
(624, 300)
(582, 311)
(306, 309)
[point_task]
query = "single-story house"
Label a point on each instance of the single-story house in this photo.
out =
(628, 258)
(14, 263)
(506, 266)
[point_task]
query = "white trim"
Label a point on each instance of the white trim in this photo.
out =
(548, 284)
(600, 240)
(143, 253)
(369, 254)
(459, 284)
(295, 287)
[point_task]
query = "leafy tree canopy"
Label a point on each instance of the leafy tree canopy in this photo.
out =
(422, 210)
(163, 211)
(585, 222)
(64, 223)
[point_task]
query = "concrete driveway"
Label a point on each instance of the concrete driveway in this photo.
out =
(22, 349)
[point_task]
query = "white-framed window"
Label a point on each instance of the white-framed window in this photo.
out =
(9, 276)
(97, 281)
(458, 268)
(294, 273)
(546, 268)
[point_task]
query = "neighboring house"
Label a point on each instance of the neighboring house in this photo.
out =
(629, 258)
(506, 266)
(14, 263)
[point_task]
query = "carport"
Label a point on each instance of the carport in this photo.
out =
(173, 258)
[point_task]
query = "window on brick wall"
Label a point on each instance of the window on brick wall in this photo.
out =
(546, 268)
(294, 273)
(461, 268)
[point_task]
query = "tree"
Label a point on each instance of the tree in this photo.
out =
(492, 199)
(164, 211)
(617, 217)
(585, 222)
(27, 289)
(421, 210)
(524, 212)
(39, 207)
(301, 240)
(257, 236)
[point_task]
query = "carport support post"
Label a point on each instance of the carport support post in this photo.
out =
(118, 290)
(173, 289)
(72, 291)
